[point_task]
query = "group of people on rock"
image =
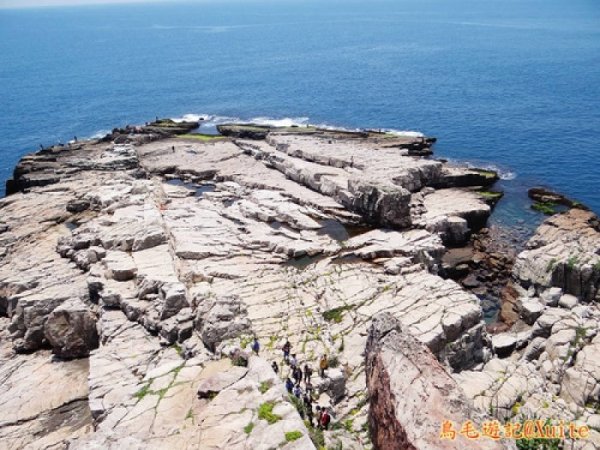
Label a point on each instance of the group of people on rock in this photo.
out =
(298, 375)
(293, 384)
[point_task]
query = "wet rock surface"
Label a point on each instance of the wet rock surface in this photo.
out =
(154, 261)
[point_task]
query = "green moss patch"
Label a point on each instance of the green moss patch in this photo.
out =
(336, 314)
(546, 208)
(292, 436)
(490, 174)
(491, 195)
(202, 137)
(264, 386)
(145, 390)
(265, 412)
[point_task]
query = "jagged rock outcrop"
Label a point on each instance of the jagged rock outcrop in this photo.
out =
(563, 253)
(71, 330)
(543, 364)
(411, 394)
(220, 319)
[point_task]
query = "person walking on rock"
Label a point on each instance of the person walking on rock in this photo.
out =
(325, 419)
(307, 400)
(287, 347)
(289, 385)
(293, 361)
(297, 374)
(323, 365)
(297, 391)
(256, 346)
(309, 388)
(307, 373)
(309, 415)
(275, 367)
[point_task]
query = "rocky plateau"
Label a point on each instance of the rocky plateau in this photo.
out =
(135, 271)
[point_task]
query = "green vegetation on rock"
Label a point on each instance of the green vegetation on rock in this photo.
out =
(264, 386)
(145, 390)
(349, 425)
(292, 436)
(491, 197)
(336, 314)
(202, 137)
(189, 415)
(248, 428)
(317, 437)
(486, 173)
(265, 412)
(546, 208)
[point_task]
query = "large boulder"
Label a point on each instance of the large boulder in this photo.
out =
(174, 299)
(29, 314)
(148, 238)
(381, 204)
(221, 318)
(71, 330)
(411, 394)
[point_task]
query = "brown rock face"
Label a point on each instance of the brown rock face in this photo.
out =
(386, 431)
(71, 330)
(509, 313)
(411, 394)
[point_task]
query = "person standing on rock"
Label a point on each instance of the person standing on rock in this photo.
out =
(297, 374)
(255, 346)
(289, 385)
(309, 387)
(293, 362)
(287, 347)
(307, 373)
(325, 419)
(298, 391)
(275, 367)
(307, 401)
(309, 415)
(323, 365)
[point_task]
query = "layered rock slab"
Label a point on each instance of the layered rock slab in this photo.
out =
(43, 401)
(411, 394)
(267, 246)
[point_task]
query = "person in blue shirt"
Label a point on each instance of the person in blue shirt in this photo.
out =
(255, 346)
(289, 385)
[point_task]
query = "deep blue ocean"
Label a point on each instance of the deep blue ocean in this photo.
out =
(509, 83)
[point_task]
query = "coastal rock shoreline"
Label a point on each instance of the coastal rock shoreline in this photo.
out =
(144, 263)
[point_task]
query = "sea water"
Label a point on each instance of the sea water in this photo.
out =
(507, 84)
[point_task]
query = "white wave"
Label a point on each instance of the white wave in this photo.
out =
(507, 175)
(504, 174)
(326, 126)
(285, 122)
(213, 120)
(189, 118)
(407, 133)
(209, 120)
(99, 134)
